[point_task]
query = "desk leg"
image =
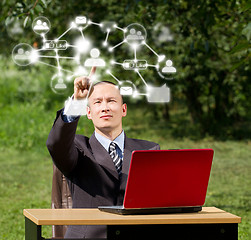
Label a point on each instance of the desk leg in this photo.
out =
(32, 230)
(174, 232)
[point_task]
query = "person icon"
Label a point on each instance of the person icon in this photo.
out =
(60, 84)
(135, 35)
(94, 61)
(22, 55)
(41, 25)
(169, 68)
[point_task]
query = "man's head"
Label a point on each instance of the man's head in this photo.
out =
(106, 109)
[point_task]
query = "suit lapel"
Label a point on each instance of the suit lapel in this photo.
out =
(128, 149)
(102, 156)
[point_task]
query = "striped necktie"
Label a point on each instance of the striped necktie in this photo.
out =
(115, 157)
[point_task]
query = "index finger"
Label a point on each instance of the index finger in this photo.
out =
(92, 72)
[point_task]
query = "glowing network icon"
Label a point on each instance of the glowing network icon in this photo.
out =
(134, 36)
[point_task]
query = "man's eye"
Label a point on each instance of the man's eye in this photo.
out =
(96, 102)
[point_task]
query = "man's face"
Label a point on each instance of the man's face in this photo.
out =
(106, 108)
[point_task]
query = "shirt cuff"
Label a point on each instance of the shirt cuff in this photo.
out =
(74, 108)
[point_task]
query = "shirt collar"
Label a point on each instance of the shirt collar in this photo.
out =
(105, 142)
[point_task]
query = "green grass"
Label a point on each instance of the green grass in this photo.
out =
(27, 114)
(25, 182)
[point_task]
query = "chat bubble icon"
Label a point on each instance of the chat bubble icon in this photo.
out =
(158, 94)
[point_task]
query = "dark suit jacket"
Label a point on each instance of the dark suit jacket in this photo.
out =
(92, 176)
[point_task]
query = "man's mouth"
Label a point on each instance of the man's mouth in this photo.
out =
(106, 116)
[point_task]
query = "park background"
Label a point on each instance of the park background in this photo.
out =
(210, 105)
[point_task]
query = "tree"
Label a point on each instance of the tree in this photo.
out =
(210, 49)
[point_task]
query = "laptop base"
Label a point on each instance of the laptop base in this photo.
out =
(132, 211)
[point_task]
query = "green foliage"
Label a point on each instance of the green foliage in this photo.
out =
(210, 49)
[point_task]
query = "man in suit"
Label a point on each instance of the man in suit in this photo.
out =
(87, 163)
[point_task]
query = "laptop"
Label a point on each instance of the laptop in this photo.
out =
(166, 181)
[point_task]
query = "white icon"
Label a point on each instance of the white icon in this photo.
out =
(41, 25)
(59, 45)
(94, 61)
(81, 20)
(75, 107)
(57, 83)
(23, 54)
(162, 34)
(158, 94)
(134, 64)
(169, 68)
(126, 91)
(135, 33)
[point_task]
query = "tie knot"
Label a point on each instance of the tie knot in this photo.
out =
(112, 146)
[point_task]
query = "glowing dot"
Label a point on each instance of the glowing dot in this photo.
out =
(82, 45)
(161, 58)
(34, 56)
(73, 25)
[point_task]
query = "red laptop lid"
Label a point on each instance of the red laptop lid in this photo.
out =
(168, 178)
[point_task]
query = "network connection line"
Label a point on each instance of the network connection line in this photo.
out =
(43, 37)
(137, 71)
(82, 34)
(135, 53)
(71, 27)
(106, 38)
(155, 66)
(119, 28)
(40, 49)
(151, 49)
(50, 65)
(91, 22)
(57, 57)
(111, 48)
(73, 46)
(108, 72)
(117, 63)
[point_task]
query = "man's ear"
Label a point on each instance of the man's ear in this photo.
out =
(124, 110)
(88, 112)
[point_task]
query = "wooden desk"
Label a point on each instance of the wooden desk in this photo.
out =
(210, 223)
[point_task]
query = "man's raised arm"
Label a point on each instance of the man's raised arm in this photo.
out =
(60, 142)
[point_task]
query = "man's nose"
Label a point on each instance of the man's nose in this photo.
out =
(105, 107)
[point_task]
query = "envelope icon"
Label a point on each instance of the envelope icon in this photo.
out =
(126, 91)
(81, 20)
